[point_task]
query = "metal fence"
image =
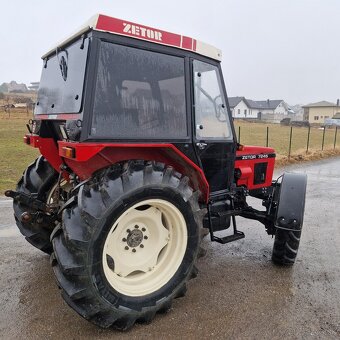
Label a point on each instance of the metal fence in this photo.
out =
(288, 140)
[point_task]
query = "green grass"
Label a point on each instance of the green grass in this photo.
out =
(255, 134)
(15, 156)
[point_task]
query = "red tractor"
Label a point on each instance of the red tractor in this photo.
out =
(140, 160)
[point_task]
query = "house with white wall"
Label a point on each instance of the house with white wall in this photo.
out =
(240, 108)
(244, 108)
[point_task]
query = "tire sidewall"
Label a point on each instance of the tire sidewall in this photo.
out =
(103, 288)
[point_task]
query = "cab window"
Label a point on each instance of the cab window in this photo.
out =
(211, 114)
(139, 94)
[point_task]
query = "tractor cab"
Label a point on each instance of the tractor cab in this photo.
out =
(121, 82)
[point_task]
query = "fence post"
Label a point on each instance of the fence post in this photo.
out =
(290, 141)
(239, 134)
(267, 141)
(336, 132)
(308, 139)
(323, 137)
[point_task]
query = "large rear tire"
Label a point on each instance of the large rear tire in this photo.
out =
(38, 179)
(128, 248)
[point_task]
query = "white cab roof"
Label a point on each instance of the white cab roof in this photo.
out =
(105, 23)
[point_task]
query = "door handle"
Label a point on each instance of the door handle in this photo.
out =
(201, 145)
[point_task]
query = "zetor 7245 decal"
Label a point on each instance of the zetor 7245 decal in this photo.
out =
(139, 161)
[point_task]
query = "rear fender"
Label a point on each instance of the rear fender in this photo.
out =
(291, 203)
(88, 158)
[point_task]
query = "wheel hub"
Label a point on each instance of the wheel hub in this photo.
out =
(135, 238)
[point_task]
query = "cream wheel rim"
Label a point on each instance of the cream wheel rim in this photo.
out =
(145, 247)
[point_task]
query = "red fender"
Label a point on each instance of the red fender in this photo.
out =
(88, 158)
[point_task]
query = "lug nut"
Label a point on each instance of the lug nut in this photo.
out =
(128, 231)
(124, 239)
(145, 237)
(142, 245)
(143, 229)
(133, 250)
(126, 248)
(136, 226)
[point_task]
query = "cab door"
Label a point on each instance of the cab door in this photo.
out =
(213, 133)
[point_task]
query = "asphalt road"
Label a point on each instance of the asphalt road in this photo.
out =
(239, 293)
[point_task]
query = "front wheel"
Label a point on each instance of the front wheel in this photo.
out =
(286, 245)
(289, 217)
(129, 247)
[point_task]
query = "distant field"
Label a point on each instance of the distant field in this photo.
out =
(15, 155)
(255, 134)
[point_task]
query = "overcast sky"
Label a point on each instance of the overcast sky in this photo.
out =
(271, 49)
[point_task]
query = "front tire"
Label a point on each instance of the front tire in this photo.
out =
(290, 208)
(286, 245)
(129, 247)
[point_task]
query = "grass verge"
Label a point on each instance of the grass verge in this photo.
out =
(15, 156)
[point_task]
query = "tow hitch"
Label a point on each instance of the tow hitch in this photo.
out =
(32, 202)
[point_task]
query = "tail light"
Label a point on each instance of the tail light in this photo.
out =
(68, 152)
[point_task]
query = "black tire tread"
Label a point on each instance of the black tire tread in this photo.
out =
(38, 179)
(286, 245)
(71, 246)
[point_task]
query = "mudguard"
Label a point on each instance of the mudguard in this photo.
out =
(291, 203)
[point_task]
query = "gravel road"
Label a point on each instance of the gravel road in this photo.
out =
(239, 293)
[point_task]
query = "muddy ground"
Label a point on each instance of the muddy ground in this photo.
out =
(239, 293)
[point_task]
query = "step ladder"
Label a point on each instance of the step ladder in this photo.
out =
(237, 235)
